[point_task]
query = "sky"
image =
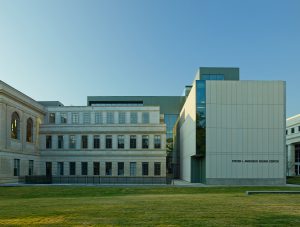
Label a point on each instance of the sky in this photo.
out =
(68, 50)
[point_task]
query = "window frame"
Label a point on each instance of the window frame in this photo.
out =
(15, 126)
(145, 138)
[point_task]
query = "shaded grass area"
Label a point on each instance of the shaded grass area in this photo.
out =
(141, 206)
(293, 180)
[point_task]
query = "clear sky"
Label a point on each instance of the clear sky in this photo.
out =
(68, 50)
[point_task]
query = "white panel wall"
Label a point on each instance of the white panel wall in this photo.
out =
(188, 134)
(245, 121)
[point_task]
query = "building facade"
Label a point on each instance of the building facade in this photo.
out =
(231, 132)
(293, 145)
(221, 131)
(50, 139)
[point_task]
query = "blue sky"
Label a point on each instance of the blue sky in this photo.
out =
(67, 50)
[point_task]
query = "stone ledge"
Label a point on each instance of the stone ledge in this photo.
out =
(271, 192)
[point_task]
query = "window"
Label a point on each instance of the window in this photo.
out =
(120, 141)
(86, 118)
(96, 142)
(84, 142)
(98, 118)
(108, 141)
(48, 142)
(51, 118)
(75, 118)
(84, 168)
(145, 118)
(122, 118)
(108, 168)
(145, 168)
(60, 142)
(60, 168)
(97, 168)
(132, 168)
(286, 132)
(15, 126)
(16, 167)
(72, 168)
(110, 117)
(132, 141)
(30, 167)
(133, 117)
(120, 168)
(63, 118)
(29, 130)
(298, 128)
(145, 141)
(156, 168)
(157, 141)
(72, 142)
(292, 130)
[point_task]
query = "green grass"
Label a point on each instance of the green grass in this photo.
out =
(293, 180)
(141, 206)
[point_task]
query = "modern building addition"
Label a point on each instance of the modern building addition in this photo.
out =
(221, 131)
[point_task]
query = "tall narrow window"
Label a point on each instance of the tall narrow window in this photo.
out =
(120, 168)
(145, 168)
(108, 141)
(132, 168)
(60, 142)
(30, 167)
(122, 118)
(145, 142)
(63, 118)
(98, 118)
(72, 142)
(15, 126)
(110, 118)
(133, 117)
(145, 117)
(60, 168)
(48, 142)
(133, 142)
(121, 142)
(51, 118)
(86, 118)
(157, 142)
(75, 118)
(16, 167)
(84, 168)
(108, 168)
(84, 142)
(29, 130)
(96, 141)
(96, 168)
(72, 168)
(157, 168)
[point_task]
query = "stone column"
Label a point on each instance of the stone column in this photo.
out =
(291, 160)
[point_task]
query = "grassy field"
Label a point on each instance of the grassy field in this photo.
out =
(141, 206)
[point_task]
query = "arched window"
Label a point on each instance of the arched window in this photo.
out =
(29, 130)
(15, 126)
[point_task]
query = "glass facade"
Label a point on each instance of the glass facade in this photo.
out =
(198, 160)
(200, 117)
(169, 120)
(212, 76)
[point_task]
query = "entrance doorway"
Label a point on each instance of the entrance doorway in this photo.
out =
(48, 169)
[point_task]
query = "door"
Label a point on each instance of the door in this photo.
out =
(48, 169)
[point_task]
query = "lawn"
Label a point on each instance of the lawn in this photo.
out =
(143, 206)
